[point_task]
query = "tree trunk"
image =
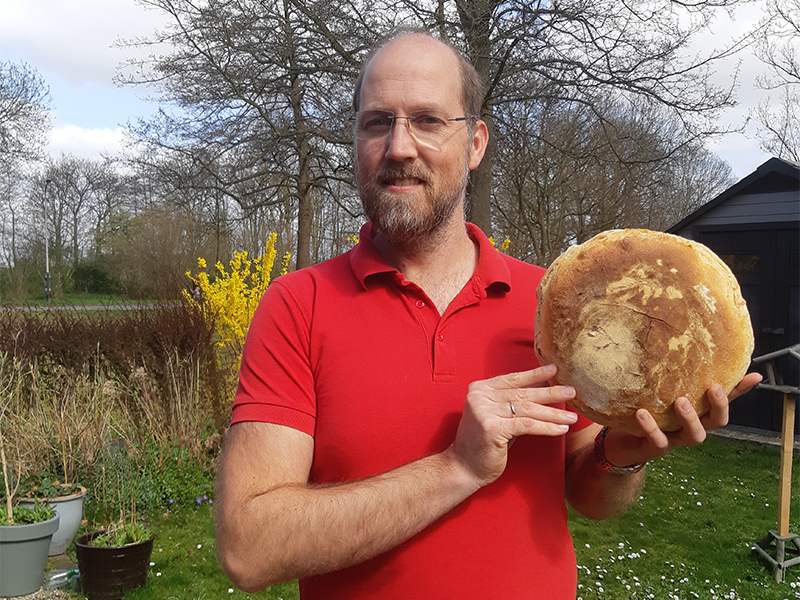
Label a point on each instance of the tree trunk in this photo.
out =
(476, 23)
(479, 209)
(304, 212)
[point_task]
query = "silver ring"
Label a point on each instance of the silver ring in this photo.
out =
(513, 412)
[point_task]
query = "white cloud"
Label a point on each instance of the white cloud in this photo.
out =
(74, 38)
(85, 143)
(70, 43)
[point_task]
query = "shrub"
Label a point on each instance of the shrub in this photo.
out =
(87, 384)
(227, 301)
(92, 278)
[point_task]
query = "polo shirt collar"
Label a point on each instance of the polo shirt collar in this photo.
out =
(365, 260)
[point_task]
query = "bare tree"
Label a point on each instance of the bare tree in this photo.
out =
(563, 177)
(68, 203)
(260, 92)
(24, 116)
(108, 197)
(24, 122)
(583, 51)
(778, 47)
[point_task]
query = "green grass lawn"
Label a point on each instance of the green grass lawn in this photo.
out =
(185, 566)
(689, 536)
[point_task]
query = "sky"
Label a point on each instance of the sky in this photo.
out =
(70, 43)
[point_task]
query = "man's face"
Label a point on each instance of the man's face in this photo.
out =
(409, 189)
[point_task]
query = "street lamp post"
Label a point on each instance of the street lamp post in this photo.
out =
(46, 247)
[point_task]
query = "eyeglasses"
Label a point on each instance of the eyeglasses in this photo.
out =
(428, 127)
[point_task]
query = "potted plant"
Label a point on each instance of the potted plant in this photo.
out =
(114, 560)
(67, 501)
(25, 533)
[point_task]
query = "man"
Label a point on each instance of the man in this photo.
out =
(379, 447)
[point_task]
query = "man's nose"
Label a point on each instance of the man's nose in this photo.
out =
(400, 144)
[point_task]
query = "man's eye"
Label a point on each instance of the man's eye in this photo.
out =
(428, 121)
(377, 123)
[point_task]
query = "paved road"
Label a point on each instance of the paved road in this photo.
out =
(43, 308)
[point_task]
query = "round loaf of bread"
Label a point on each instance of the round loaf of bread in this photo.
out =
(636, 319)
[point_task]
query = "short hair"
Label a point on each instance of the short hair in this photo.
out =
(471, 84)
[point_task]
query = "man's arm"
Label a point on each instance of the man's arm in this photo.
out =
(273, 526)
(600, 494)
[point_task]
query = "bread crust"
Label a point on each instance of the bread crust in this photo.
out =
(636, 319)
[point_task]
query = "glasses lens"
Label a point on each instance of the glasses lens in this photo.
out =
(429, 125)
(430, 128)
(371, 124)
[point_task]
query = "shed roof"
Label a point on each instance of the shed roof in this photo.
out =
(774, 176)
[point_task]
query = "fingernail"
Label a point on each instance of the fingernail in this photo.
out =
(549, 368)
(718, 392)
(568, 391)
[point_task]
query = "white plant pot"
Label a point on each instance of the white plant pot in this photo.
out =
(70, 512)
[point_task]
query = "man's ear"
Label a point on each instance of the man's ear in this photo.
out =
(480, 139)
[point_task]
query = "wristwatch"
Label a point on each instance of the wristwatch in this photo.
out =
(600, 457)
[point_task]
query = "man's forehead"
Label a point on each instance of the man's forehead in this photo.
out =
(413, 58)
(421, 47)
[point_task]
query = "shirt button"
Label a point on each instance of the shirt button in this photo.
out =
(420, 304)
(440, 337)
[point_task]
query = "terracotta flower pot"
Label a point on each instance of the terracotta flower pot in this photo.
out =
(107, 572)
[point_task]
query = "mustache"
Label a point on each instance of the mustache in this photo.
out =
(408, 171)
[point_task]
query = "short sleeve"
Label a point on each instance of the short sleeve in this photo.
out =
(276, 383)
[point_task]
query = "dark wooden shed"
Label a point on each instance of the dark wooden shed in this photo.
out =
(754, 226)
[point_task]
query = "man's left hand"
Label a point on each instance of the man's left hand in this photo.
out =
(623, 449)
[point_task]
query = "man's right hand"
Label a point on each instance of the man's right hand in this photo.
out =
(488, 423)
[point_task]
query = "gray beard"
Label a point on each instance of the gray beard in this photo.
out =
(401, 222)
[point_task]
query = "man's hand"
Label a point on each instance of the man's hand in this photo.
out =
(498, 410)
(622, 449)
(598, 494)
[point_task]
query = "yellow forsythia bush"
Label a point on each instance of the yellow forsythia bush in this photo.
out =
(503, 247)
(229, 300)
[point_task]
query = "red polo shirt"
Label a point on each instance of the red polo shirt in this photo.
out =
(352, 354)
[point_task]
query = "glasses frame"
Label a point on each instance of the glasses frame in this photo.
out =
(411, 130)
